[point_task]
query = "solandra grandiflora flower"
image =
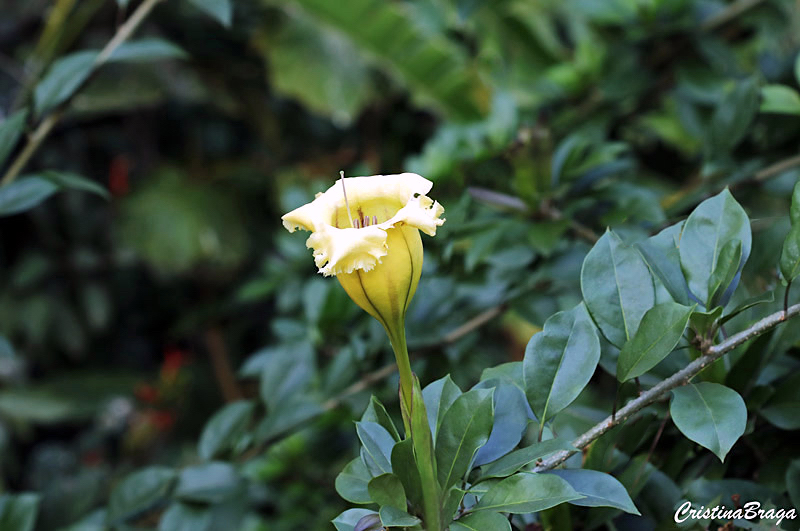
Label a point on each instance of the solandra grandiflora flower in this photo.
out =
(365, 231)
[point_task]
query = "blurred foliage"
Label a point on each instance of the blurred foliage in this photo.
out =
(173, 346)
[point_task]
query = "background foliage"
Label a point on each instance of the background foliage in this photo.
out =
(164, 340)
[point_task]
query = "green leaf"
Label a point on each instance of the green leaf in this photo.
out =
(794, 211)
(660, 253)
(439, 396)
(724, 273)
(482, 521)
(432, 66)
(747, 304)
(184, 517)
(139, 492)
(715, 222)
(510, 421)
(6, 349)
(465, 428)
(617, 288)
(793, 482)
(512, 462)
(559, 361)
(526, 493)
(405, 467)
(375, 412)
(387, 491)
(701, 322)
(219, 10)
(147, 49)
(780, 99)
(352, 482)
(600, 489)
(63, 78)
(348, 519)
(377, 444)
(24, 194)
(212, 482)
(790, 253)
(783, 407)
(659, 333)
(393, 517)
(710, 414)
(797, 78)
(224, 428)
(19, 511)
(424, 454)
(10, 130)
(733, 115)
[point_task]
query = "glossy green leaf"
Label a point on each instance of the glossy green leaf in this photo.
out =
(783, 407)
(512, 462)
(617, 288)
(10, 131)
(19, 511)
(212, 482)
(710, 414)
(600, 489)
(780, 99)
(387, 491)
(659, 333)
(219, 10)
(482, 521)
(559, 361)
(224, 428)
(509, 424)
(352, 482)
(347, 520)
(724, 273)
(393, 517)
(185, 517)
(715, 222)
(465, 428)
(404, 466)
(701, 322)
(139, 492)
(439, 396)
(660, 253)
(377, 413)
(526, 493)
(377, 444)
(790, 253)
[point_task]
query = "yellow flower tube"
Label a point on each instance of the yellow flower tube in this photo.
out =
(365, 231)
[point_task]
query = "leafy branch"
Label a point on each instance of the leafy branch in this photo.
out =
(682, 377)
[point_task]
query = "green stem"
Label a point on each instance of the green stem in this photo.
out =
(398, 341)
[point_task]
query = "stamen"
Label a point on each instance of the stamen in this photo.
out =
(346, 204)
(374, 220)
(356, 224)
(366, 221)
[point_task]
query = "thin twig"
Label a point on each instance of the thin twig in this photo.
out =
(729, 13)
(220, 361)
(777, 168)
(45, 126)
(681, 377)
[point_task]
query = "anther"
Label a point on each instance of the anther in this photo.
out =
(374, 220)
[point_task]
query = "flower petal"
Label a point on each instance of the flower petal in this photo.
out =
(421, 212)
(345, 250)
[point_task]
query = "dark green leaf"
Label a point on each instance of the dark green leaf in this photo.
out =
(710, 414)
(351, 483)
(63, 78)
(224, 428)
(285, 375)
(465, 428)
(733, 115)
(184, 517)
(780, 99)
(387, 491)
(482, 521)
(701, 322)
(783, 407)
(599, 489)
(526, 493)
(439, 396)
(10, 130)
(348, 519)
(659, 333)
(220, 10)
(24, 194)
(508, 464)
(560, 360)
(661, 254)
(377, 444)
(790, 254)
(393, 517)
(139, 492)
(294, 413)
(794, 211)
(715, 222)
(405, 468)
(510, 421)
(747, 304)
(18, 511)
(212, 482)
(617, 288)
(724, 273)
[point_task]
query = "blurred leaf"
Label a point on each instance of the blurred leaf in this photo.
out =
(526, 493)
(184, 517)
(66, 180)
(617, 288)
(219, 10)
(387, 491)
(24, 194)
(790, 254)
(782, 407)
(514, 461)
(559, 361)
(599, 489)
(284, 375)
(212, 483)
(224, 428)
(780, 99)
(63, 78)
(710, 414)
(465, 428)
(659, 333)
(139, 492)
(733, 115)
(747, 304)
(6, 349)
(18, 511)
(10, 130)
(147, 49)
(482, 521)
(429, 64)
(793, 482)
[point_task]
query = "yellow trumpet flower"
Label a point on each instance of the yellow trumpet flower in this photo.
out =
(365, 231)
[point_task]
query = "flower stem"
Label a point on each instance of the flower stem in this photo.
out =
(398, 340)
